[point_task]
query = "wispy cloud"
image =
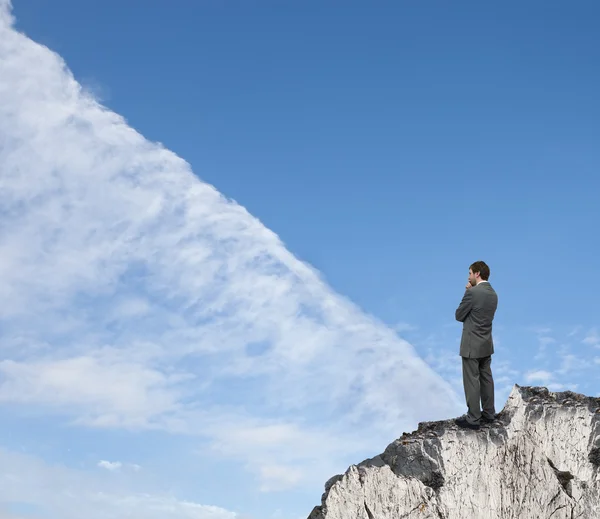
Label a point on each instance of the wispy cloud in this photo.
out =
(98, 389)
(570, 359)
(592, 338)
(538, 376)
(571, 363)
(115, 466)
(544, 339)
(137, 296)
(550, 380)
(110, 465)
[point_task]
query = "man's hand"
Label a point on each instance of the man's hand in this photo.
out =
(468, 285)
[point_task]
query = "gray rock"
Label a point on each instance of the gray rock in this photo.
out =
(539, 459)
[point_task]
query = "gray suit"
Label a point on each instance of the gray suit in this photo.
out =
(476, 311)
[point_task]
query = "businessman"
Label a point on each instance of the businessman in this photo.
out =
(476, 311)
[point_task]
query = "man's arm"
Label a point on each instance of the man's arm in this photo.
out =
(465, 306)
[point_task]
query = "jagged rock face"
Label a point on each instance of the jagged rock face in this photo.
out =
(540, 459)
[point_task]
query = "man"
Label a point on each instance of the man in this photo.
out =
(476, 312)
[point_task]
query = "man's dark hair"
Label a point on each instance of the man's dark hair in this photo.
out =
(482, 268)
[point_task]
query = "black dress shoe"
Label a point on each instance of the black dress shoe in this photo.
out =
(462, 422)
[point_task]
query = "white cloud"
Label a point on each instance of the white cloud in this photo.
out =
(284, 454)
(110, 465)
(131, 307)
(545, 341)
(568, 359)
(116, 466)
(164, 507)
(548, 379)
(557, 386)
(132, 292)
(99, 389)
(540, 376)
(592, 338)
(572, 363)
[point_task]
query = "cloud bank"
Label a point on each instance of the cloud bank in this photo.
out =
(137, 296)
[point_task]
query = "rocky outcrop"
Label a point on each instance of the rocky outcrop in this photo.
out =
(539, 460)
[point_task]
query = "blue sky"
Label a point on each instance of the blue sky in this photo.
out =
(269, 296)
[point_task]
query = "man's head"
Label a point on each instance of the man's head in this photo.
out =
(478, 271)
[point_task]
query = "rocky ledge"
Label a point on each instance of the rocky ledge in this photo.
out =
(538, 460)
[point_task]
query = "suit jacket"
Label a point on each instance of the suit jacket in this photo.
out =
(476, 312)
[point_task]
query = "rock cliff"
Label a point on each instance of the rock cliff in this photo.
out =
(540, 459)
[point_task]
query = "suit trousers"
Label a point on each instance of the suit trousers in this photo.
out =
(479, 387)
